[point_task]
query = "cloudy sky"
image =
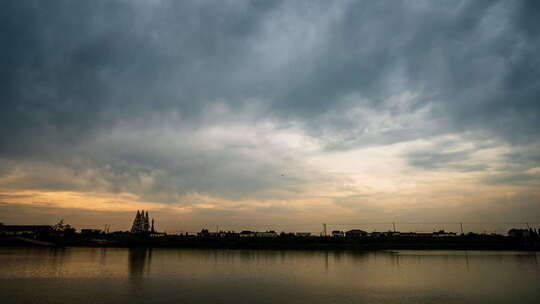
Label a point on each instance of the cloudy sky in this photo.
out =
(269, 114)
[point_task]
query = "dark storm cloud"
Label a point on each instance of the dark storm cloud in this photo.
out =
(521, 179)
(453, 161)
(71, 72)
(523, 157)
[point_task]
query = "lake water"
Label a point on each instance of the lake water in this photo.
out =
(118, 275)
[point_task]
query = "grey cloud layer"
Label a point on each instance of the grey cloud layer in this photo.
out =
(71, 72)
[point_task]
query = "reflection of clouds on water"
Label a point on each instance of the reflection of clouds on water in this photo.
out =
(122, 275)
(54, 261)
(326, 262)
(526, 260)
(472, 260)
(467, 260)
(343, 257)
(103, 256)
(139, 261)
(338, 256)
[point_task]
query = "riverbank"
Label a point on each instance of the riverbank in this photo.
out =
(478, 242)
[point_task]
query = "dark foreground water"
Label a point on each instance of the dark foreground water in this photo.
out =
(101, 275)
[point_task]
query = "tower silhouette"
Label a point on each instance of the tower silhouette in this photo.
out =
(140, 223)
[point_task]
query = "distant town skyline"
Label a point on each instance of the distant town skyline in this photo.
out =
(269, 114)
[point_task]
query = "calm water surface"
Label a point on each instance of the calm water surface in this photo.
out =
(101, 275)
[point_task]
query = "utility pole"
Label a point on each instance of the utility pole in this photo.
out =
(394, 225)
(461, 225)
(324, 229)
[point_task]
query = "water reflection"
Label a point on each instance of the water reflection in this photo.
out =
(467, 260)
(103, 256)
(139, 261)
(109, 275)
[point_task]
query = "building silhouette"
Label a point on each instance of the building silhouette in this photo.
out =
(141, 223)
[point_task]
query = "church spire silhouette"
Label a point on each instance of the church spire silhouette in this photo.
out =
(140, 223)
(146, 225)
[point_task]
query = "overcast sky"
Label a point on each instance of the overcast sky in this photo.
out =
(270, 114)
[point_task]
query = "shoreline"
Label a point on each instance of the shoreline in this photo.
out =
(283, 243)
